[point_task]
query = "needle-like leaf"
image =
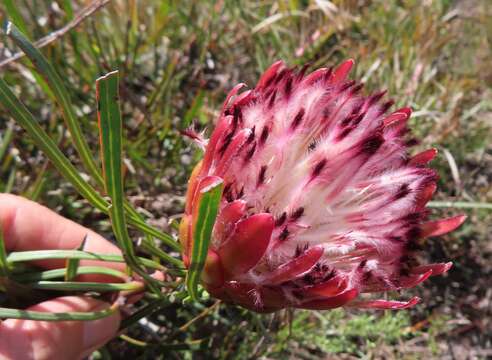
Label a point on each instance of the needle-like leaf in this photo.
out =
(208, 206)
(111, 138)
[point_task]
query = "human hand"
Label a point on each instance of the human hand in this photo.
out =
(29, 226)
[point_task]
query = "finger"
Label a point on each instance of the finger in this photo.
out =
(28, 339)
(30, 226)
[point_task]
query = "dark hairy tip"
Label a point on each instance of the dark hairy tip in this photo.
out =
(228, 192)
(261, 175)
(226, 143)
(357, 119)
(402, 191)
(240, 194)
(318, 168)
(347, 120)
(284, 234)
(300, 74)
(327, 75)
(298, 251)
(264, 135)
(376, 97)
(344, 133)
(288, 86)
(297, 119)
(251, 136)
(250, 152)
(297, 214)
(238, 114)
(281, 219)
(347, 85)
(385, 107)
(312, 145)
(309, 279)
(271, 101)
(372, 144)
(357, 88)
(329, 274)
(280, 75)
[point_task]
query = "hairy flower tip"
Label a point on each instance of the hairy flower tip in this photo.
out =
(322, 202)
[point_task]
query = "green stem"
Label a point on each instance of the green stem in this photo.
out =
(60, 273)
(86, 286)
(21, 256)
(6, 313)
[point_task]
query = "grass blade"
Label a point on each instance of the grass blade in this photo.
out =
(15, 15)
(208, 206)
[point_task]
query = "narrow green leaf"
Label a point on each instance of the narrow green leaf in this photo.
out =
(15, 15)
(73, 264)
(61, 95)
(21, 256)
(6, 313)
(60, 273)
(110, 131)
(111, 138)
(5, 140)
(208, 206)
(162, 255)
(86, 286)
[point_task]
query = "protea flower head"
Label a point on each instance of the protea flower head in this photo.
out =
(322, 202)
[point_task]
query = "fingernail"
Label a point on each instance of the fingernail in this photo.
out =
(97, 332)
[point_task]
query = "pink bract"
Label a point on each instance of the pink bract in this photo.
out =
(322, 202)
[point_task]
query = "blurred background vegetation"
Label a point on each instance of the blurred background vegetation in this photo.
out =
(177, 61)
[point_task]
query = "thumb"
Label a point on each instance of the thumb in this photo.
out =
(29, 339)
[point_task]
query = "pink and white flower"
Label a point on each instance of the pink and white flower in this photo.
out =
(322, 202)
